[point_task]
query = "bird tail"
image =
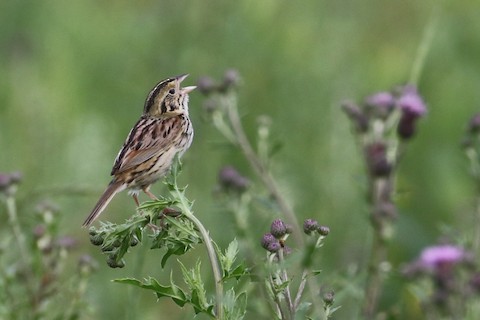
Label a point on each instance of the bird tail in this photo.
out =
(104, 200)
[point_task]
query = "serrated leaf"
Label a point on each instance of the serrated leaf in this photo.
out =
(183, 225)
(281, 287)
(234, 306)
(173, 291)
(239, 271)
(230, 256)
(192, 278)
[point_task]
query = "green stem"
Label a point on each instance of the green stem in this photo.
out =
(217, 274)
(17, 232)
(381, 190)
(284, 276)
(260, 169)
(22, 247)
(424, 46)
(264, 174)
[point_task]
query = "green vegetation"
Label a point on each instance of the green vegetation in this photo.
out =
(73, 79)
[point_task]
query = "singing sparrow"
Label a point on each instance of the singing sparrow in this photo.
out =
(163, 131)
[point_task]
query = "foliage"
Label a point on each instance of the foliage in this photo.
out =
(73, 76)
(37, 281)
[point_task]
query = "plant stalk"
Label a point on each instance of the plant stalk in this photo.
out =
(261, 170)
(217, 273)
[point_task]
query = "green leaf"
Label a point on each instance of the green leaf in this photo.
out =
(316, 272)
(193, 279)
(239, 271)
(234, 306)
(230, 255)
(173, 291)
(332, 310)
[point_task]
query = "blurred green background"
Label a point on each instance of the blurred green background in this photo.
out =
(74, 76)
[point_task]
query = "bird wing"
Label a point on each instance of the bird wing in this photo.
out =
(148, 138)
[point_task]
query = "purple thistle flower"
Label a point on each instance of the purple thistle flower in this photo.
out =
(382, 99)
(412, 106)
(411, 102)
(381, 103)
(435, 256)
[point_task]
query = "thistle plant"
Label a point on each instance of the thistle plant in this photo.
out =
(383, 124)
(444, 278)
(37, 278)
(471, 146)
(242, 200)
(169, 224)
(278, 282)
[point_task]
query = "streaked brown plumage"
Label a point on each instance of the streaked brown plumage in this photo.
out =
(163, 131)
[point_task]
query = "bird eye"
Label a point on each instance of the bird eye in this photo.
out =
(171, 91)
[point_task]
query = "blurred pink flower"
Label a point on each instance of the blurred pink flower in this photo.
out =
(411, 102)
(432, 257)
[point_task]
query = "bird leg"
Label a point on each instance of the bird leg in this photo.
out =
(135, 198)
(150, 195)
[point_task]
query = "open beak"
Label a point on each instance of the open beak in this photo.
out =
(185, 89)
(188, 89)
(182, 77)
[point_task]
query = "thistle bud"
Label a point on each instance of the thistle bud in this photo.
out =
(381, 104)
(113, 263)
(278, 228)
(413, 107)
(206, 85)
(323, 230)
(310, 226)
(231, 78)
(230, 179)
(376, 156)
(356, 115)
(329, 298)
(96, 239)
(133, 242)
(274, 246)
(270, 243)
(474, 124)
